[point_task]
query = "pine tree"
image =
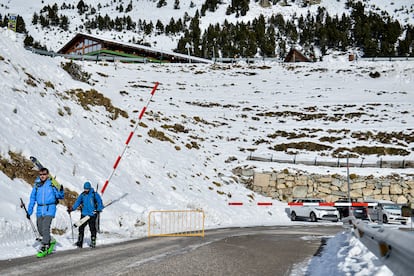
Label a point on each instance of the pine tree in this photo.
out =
(195, 32)
(161, 3)
(20, 25)
(159, 27)
(176, 4)
(35, 18)
(129, 7)
(81, 7)
(64, 23)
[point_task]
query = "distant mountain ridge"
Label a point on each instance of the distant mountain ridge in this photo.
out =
(214, 28)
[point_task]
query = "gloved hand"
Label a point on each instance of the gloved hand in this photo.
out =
(27, 216)
(61, 187)
(96, 212)
(69, 209)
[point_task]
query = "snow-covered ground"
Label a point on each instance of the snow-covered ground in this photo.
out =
(210, 113)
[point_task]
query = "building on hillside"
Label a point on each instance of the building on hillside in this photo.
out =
(295, 55)
(89, 45)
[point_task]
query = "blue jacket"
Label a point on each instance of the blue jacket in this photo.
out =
(46, 196)
(88, 201)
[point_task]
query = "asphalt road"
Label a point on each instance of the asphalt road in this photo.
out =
(231, 251)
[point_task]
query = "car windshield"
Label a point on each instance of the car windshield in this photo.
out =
(392, 207)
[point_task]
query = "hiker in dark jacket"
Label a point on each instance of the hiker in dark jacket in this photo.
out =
(91, 204)
(46, 196)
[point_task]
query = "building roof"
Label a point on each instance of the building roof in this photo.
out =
(295, 55)
(121, 48)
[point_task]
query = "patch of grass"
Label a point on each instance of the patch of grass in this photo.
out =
(200, 120)
(217, 184)
(384, 137)
(49, 84)
(309, 146)
(261, 141)
(18, 167)
(94, 98)
(380, 151)
(159, 135)
(299, 115)
(57, 231)
(343, 152)
(141, 124)
(68, 110)
(288, 135)
(102, 74)
(60, 112)
(329, 139)
(230, 159)
(374, 75)
(175, 128)
(30, 82)
(75, 71)
(192, 145)
(355, 152)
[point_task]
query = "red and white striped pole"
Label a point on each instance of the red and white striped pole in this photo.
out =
(129, 139)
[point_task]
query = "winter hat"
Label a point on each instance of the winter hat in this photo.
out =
(87, 185)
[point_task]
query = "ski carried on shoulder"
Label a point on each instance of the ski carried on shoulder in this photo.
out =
(39, 166)
(86, 218)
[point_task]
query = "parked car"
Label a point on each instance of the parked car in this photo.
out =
(312, 211)
(386, 211)
(359, 212)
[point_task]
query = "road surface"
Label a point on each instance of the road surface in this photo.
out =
(231, 251)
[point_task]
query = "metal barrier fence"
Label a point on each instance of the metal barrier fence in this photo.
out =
(393, 247)
(393, 164)
(176, 223)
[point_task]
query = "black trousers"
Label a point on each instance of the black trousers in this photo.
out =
(92, 227)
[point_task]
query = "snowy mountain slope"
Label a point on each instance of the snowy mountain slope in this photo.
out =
(82, 145)
(147, 10)
(211, 113)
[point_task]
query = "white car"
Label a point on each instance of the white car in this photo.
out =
(386, 211)
(309, 208)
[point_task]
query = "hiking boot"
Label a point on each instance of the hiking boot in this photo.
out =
(93, 242)
(45, 247)
(43, 251)
(79, 244)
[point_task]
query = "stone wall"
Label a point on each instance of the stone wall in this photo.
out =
(285, 186)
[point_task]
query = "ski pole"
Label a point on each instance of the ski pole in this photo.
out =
(98, 216)
(71, 227)
(22, 205)
(129, 139)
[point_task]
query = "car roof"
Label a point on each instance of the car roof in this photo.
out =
(308, 199)
(383, 201)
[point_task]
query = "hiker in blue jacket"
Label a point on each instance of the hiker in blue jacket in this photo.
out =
(91, 204)
(46, 196)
